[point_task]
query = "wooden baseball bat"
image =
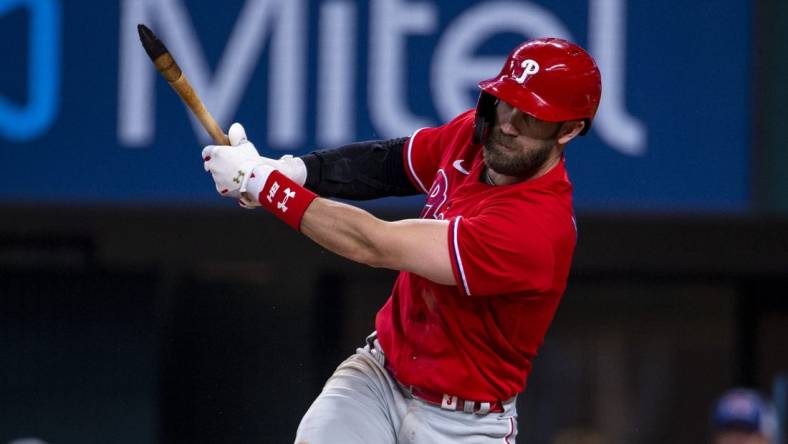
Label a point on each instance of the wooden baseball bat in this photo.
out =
(168, 68)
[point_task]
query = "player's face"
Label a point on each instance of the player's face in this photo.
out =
(519, 144)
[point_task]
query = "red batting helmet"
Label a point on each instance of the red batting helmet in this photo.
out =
(549, 78)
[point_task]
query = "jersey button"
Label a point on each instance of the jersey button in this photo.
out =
(413, 356)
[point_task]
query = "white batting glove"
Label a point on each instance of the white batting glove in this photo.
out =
(292, 167)
(230, 165)
(254, 186)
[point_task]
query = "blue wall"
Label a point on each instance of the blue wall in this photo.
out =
(84, 118)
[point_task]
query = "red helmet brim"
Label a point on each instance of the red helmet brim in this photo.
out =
(525, 100)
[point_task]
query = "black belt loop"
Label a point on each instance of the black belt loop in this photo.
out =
(375, 350)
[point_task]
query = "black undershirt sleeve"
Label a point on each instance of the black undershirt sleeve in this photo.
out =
(359, 171)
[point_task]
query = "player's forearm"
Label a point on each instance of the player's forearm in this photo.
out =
(418, 246)
(345, 230)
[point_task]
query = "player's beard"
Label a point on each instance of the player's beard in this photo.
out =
(519, 162)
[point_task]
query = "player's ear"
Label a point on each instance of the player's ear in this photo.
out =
(569, 130)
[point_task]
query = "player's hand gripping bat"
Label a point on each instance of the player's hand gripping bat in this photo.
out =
(168, 68)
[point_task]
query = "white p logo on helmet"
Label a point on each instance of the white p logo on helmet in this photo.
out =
(530, 67)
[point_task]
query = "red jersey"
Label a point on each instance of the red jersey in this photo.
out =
(511, 248)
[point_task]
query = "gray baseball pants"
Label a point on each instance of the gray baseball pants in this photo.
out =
(362, 403)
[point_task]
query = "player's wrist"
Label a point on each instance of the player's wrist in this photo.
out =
(256, 180)
(279, 194)
(292, 167)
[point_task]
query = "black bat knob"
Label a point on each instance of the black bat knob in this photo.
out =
(153, 46)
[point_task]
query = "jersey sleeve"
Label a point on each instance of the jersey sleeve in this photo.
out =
(426, 147)
(500, 251)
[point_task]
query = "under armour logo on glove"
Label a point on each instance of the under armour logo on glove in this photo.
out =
(283, 204)
(239, 177)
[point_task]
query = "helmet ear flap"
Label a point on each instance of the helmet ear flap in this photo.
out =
(485, 117)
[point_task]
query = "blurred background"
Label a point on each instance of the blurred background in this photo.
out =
(136, 306)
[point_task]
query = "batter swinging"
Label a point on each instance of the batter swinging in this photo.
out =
(482, 271)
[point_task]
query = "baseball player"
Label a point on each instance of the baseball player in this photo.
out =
(743, 416)
(482, 270)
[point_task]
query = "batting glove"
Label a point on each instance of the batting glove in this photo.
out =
(292, 167)
(230, 165)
